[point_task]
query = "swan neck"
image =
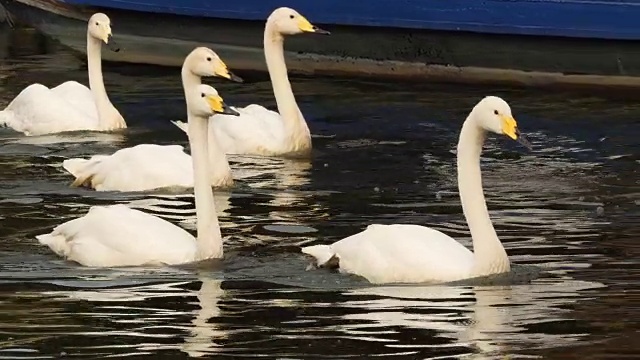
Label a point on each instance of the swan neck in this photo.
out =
(490, 256)
(96, 82)
(190, 80)
(209, 238)
(218, 163)
(274, 55)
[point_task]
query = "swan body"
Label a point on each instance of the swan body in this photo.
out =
(120, 236)
(140, 168)
(70, 106)
(398, 253)
(79, 97)
(419, 254)
(117, 235)
(259, 131)
(149, 166)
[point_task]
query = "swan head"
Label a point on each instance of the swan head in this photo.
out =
(99, 28)
(287, 21)
(206, 101)
(494, 114)
(203, 61)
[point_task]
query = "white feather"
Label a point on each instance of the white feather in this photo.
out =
(119, 236)
(39, 110)
(70, 106)
(138, 168)
(418, 254)
(259, 131)
(148, 166)
(398, 253)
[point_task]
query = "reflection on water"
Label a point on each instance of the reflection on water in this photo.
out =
(115, 305)
(383, 152)
(488, 321)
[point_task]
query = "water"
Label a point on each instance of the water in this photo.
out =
(383, 152)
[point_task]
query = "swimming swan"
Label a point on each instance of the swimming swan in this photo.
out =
(70, 106)
(418, 254)
(149, 166)
(120, 236)
(259, 131)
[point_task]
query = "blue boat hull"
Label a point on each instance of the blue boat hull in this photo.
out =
(450, 41)
(613, 19)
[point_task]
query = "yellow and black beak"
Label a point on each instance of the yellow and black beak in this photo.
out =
(111, 44)
(510, 128)
(523, 140)
(219, 107)
(306, 26)
(221, 69)
(233, 77)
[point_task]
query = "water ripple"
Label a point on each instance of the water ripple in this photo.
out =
(383, 153)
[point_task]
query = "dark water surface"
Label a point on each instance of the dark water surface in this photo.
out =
(383, 153)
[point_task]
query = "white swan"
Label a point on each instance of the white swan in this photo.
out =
(120, 236)
(418, 254)
(259, 131)
(70, 106)
(149, 166)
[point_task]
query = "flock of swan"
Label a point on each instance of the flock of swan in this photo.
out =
(116, 235)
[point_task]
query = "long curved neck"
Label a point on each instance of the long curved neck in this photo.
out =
(287, 106)
(218, 163)
(96, 83)
(190, 81)
(209, 238)
(490, 256)
(218, 168)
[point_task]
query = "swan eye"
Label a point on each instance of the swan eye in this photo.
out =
(202, 94)
(495, 112)
(209, 58)
(291, 16)
(97, 23)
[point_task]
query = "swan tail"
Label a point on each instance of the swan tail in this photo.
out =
(56, 242)
(6, 118)
(74, 166)
(180, 124)
(82, 180)
(83, 170)
(323, 255)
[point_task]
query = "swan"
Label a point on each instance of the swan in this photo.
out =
(259, 131)
(149, 166)
(117, 235)
(403, 253)
(70, 106)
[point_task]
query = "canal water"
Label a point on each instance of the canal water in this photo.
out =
(383, 153)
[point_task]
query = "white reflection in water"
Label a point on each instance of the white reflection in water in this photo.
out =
(111, 138)
(200, 343)
(491, 320)
(277, 178)
(180, 207)
(283, 178)
(275, 173)
(148, 322)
